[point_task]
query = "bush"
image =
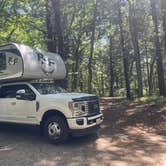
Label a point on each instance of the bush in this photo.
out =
(156, 100)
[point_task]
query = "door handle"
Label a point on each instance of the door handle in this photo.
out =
(13, 103)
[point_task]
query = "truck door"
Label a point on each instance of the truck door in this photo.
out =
(14, 110)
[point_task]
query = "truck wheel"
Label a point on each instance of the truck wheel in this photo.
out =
(56, 130)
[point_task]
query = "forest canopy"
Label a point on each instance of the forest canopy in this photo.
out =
(110, 47)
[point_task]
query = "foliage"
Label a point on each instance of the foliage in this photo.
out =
(155, 100)
(25, 22)
(21, 21)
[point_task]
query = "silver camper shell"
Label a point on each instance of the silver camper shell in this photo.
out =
(21, 62)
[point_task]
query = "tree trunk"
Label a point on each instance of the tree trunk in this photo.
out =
(92, 48)
(55, 30)
(76, 64)
(159, 60)
(117, 82)
(111, 91)
(54, 27)
(51, 43)
(134, 36)
(58, 27)
(163, 7)
(151, 85)
(102, 84)
(2, 5)
(81, 85)
(125, 58)
(147, 69)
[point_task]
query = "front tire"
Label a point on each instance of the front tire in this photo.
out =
(56, 129)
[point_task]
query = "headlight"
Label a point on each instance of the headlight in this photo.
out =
(73, 105)
(78, 108)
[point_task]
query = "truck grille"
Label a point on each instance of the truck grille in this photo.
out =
(93, 107)
(91, 104)
(89, 98)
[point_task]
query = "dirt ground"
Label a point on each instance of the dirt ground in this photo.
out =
(133, 134)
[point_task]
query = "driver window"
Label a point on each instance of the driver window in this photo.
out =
(10, 91)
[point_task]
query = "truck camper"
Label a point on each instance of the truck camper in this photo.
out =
(24, 99)
(20, 62)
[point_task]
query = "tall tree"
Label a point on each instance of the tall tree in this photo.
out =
(80, 31)
(55, 41)
(51, 43)
(111, 90)
(163, 8)
(92, 40)
(134, 35)
(54, 27)
(125, 58)
(159, 60)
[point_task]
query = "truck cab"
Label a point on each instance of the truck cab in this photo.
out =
(57, 112)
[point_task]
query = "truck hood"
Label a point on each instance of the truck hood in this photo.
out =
(68, 96)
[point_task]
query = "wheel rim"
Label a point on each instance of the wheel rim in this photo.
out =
(54, 130)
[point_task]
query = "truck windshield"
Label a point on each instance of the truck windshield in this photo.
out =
(48, 88)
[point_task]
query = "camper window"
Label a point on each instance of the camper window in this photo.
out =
(2, 61)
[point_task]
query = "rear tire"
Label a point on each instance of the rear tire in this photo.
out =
(56, 130)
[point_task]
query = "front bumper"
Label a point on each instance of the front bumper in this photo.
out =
(81, 123)
(85, 125)
(84, 132)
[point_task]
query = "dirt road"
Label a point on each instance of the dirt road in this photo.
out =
(133, 134)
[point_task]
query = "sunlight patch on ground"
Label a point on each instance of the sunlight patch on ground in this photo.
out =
(103, 126)
(118, 163)
(163, 160)
(6, 148)
(45, 162)
(130, 111)
(155, 138)
(101, 108)
(103, 144)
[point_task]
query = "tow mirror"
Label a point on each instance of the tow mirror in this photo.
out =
(22, 95)
(21, 91)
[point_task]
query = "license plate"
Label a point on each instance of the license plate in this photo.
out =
(98, 121)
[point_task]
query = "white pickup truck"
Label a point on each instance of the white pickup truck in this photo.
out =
(57, 112)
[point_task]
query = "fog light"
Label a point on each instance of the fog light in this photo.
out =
(80, 121)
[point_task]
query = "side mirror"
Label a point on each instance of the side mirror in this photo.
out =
(22, 95)
(21, 91)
